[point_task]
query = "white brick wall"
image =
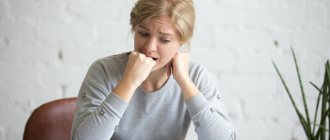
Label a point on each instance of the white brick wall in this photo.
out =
(46, 47)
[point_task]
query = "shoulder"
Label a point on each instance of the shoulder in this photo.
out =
(110, 66)
(195, 68)
(199, 74)
(117, 59)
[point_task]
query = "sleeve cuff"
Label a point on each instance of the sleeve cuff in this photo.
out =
(196, 104)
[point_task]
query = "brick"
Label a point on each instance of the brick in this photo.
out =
(247, 39)
(261, 62)
(293, 85)
(30, 9)
(309, 63)
(14, 134)
(314, 41)
(237, 85)
(215, 59)
(3, 43)
(278, 109)
(2, 133)
(108, 33)
(233, 106)
(202, 38)
(22, 102)
(28, 97)
(4, 10)
(28, 53)
(254, 63)
(274, 17)
(64, 32)
(282, 39)
(298, 132)
(261, 108)
(9, 111)
(95, 11)
(303, 40)
(326, 4)
(87, 55)
(252, 3)
(213, 13)
(17, 32)
(316, 16)
(67, 79)
(265, 130)
(19, 74)
(301, 3)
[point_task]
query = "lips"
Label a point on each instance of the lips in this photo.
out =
(151, 56)
(155, 59)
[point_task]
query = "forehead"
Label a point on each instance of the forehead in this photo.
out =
(162, 24)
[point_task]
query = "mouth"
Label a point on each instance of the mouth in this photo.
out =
(155, 59)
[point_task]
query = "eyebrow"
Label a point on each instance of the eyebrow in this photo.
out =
(163, 33)
(143, 27)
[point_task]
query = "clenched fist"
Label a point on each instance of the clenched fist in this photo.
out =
(138, 68)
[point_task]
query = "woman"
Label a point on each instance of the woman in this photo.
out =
(153, 92)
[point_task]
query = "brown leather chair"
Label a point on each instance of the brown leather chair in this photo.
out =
(51, 121)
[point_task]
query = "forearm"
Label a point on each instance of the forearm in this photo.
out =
(102, 122)
(188, 89)
(209, 120)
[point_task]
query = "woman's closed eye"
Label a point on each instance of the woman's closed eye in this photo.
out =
(164, 40)
(144, 34)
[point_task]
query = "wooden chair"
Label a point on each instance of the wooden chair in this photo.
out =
(51, 121)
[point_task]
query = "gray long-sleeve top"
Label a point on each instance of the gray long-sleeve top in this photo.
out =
(160, 115)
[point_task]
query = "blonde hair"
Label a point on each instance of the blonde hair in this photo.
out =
(181, 13)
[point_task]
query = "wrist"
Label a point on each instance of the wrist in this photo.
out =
(183, 80)
(125, 90)
(189, 89)
(129, 83)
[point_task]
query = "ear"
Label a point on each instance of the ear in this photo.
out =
(185, 48)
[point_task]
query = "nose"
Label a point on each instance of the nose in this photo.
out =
(150, 45)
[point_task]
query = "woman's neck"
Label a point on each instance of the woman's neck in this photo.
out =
(156, 79)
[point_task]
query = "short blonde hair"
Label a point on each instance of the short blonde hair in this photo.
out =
(181, 13)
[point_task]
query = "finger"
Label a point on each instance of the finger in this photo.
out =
(142, 54)
(176, 54)
(150, 60)
(169, 68)
(153, 63)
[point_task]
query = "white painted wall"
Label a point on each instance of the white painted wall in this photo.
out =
(46, 47)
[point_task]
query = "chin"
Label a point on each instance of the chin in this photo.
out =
(156, 67)
(159, 67)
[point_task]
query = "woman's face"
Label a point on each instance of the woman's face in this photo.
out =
(157, 39)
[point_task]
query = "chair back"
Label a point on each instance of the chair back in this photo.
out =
(51, 121)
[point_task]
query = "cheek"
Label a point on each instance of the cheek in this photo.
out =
(135, 42)
(167, 54)
(138, 42)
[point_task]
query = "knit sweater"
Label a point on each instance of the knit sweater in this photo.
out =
(159, 115)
